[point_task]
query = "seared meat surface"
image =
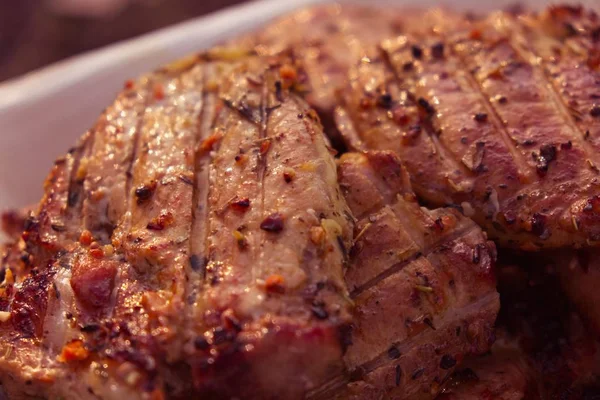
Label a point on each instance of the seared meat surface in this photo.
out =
(421, 281)
(193, 238)
(497, 116)
(202, 241)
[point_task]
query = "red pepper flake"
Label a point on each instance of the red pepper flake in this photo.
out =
(273, 223)
(161, 222)
(129, 84)
(366, 103)
(97, 253)
(288, 72)
(85, 238)
(264, 147)
(159, 91)
(73, 351)
(209, 142)
(240, 204)
(399, 116)
(274, 284)
(475, 34)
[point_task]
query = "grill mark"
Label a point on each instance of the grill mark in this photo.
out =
(201, 192)
(334, 385)
(441, 151)
(523, 167)
(262, 167)
(72, 219)
(449, 318)
(456, 234)
(124, 223)
(75, 186)
(134, 153)
(517, 42)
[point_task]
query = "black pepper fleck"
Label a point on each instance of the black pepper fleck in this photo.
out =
(200, 343)
(393, 353)
(319, 312)
(424, 104)
(418, 373)
(437, 50)
(417, 52)
(595, 111)
(480, 117)
(447, 362)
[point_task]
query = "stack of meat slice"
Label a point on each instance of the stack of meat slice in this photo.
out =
(193, 243)
(202, 240)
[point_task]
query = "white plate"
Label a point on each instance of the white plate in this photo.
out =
(42, 113)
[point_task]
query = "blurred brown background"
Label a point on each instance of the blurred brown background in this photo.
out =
(34, 33)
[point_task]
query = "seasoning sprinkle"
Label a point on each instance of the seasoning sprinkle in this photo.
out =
(393, 353)
(447, 362)
(480, 117)
(144, 192)
(240, 204)
(417, 52)
(418, 373)
(398, 375)
(437, 50)
(425, 105)
(319, 311)
(273, 223)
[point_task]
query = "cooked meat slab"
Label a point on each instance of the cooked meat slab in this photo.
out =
(497, 116)
(421, 281)
(192, 243)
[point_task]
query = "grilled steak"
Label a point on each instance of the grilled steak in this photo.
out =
(498, 116)
(421, 281)
(192, 242)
